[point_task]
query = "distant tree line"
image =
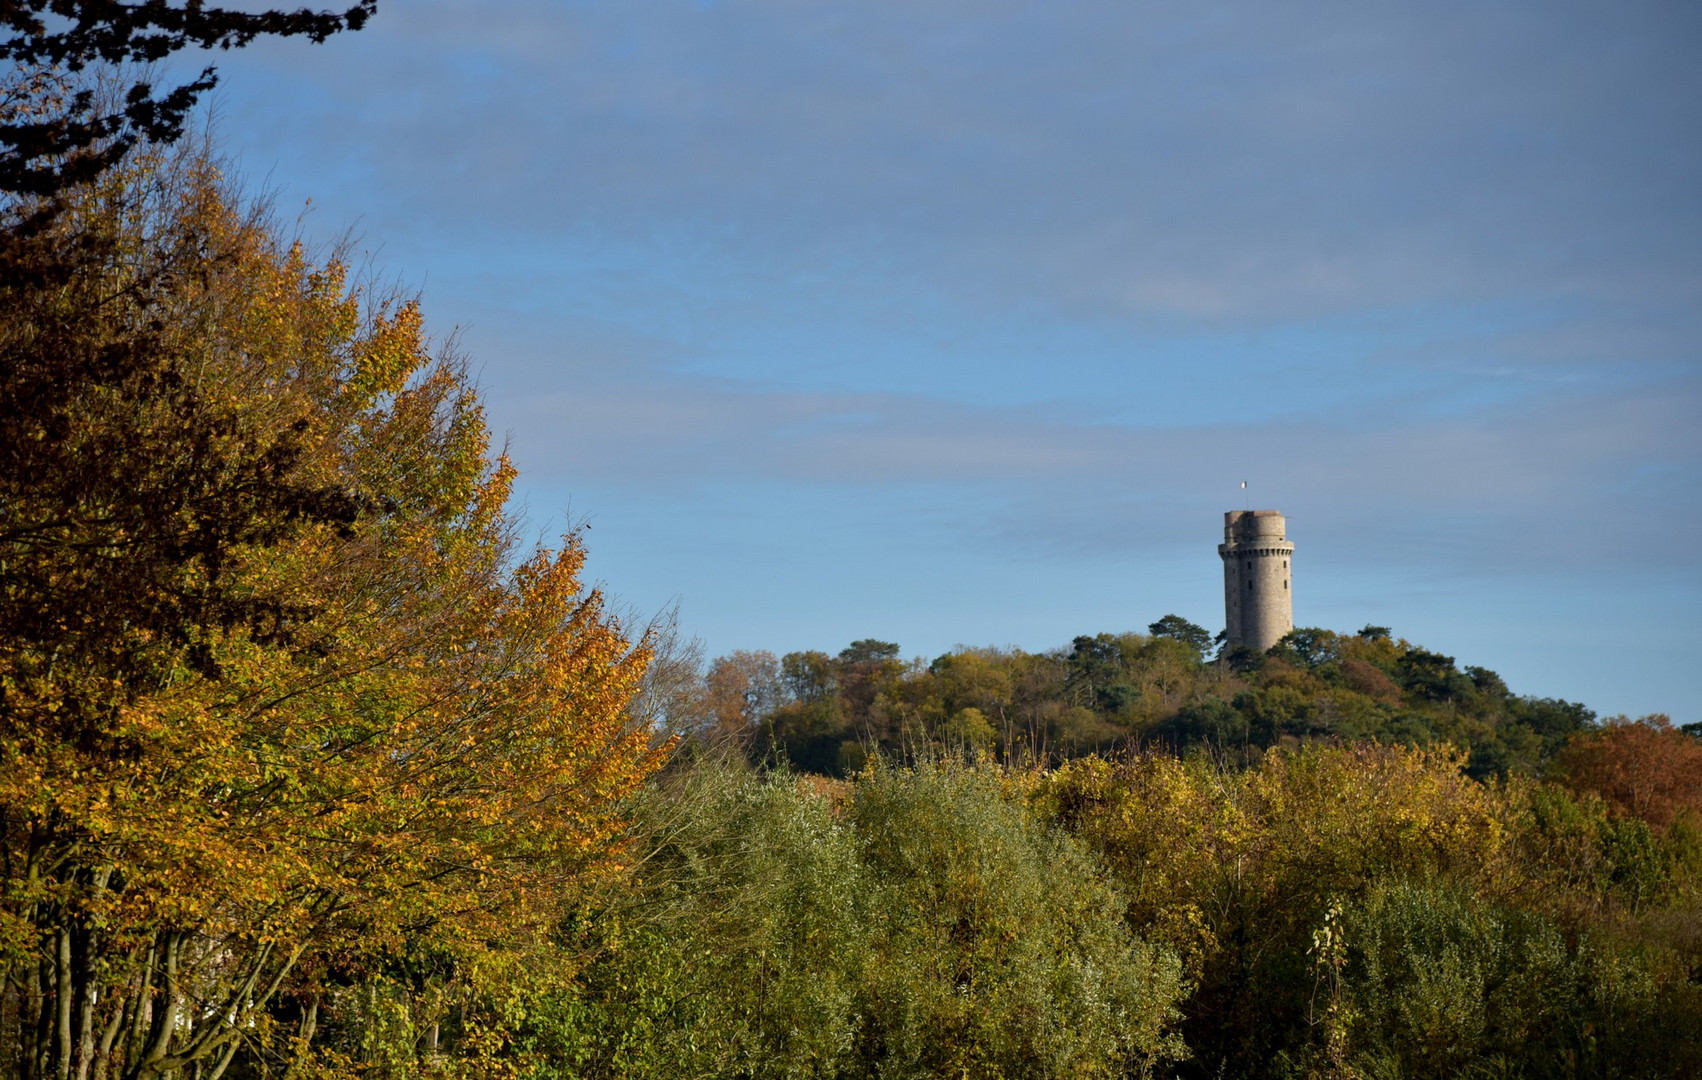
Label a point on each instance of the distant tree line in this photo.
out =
(829, 714)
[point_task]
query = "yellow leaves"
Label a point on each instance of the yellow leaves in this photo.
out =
(391, 353)
(428, 738)
(1190, 842)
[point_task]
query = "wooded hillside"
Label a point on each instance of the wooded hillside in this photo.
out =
(827, 713)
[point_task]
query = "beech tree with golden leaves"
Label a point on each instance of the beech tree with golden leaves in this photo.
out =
(279, 693)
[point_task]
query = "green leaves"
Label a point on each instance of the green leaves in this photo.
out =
(909, 924)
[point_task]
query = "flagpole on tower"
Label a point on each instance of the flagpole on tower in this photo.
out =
(1247, 500)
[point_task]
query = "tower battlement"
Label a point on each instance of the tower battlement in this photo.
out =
(1257, 598)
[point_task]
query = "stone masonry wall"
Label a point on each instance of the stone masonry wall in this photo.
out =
(1257, 578)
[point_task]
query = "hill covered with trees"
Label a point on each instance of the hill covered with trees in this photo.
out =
(828, 713)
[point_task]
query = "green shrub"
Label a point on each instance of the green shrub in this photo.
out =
(1000, 951)
(929, 927)
(1443, 984)
(737, 953)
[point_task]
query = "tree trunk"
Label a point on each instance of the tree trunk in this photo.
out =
(83, 945)
(62, 1043)
(224, 1061)
(304, 1038)
(149, 1056)
(103, 1052)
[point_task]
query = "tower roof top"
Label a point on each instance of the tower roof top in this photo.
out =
(1241, 525)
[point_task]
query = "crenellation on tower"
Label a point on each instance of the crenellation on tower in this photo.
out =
(1257, 580)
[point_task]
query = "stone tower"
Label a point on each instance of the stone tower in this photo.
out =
(1258, 604)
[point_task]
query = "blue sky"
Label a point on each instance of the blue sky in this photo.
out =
(950, 322)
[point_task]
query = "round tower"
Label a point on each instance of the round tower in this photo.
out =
(1258, 602)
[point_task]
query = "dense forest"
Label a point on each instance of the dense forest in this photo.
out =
(311, 766)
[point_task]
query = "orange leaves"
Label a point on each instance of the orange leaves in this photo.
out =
(391, 353)
(331, 713)
(1643, 768)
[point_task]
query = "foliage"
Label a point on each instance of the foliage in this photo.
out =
(1328, 911)
(739, 690)
(1444, 984)
(1373, 910)
(918, 923)
(735, 952)
(828, 713)
(1190, 634)
(1000, 953)
(281, 703)
(1234, 869)
(1643, 768)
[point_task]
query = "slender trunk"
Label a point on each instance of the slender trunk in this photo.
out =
(224, 1061)
(304, 1036)
(160, 1032)
(29, 1009)
(83, 943)
(85, 1048)
(85, 1035)
(194, 1046)
(103, 1052)
(85, 1012)
(140, 1009)
(29, 1024)
(193, 1043)
(36, 1030)
(63, 1041)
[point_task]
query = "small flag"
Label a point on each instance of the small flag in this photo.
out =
(1243, 485)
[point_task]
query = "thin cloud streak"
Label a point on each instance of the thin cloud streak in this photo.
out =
(1559, 482)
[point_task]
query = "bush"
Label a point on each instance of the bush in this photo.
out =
(1000, 949)
(926, 927)
(737, 952)
(1443, 984)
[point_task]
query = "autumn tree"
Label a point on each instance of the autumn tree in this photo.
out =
(1644, 768)
(741, 688)
(1235, 868)
(281, 697)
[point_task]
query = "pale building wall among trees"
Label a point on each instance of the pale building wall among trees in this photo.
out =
(1258, 589)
